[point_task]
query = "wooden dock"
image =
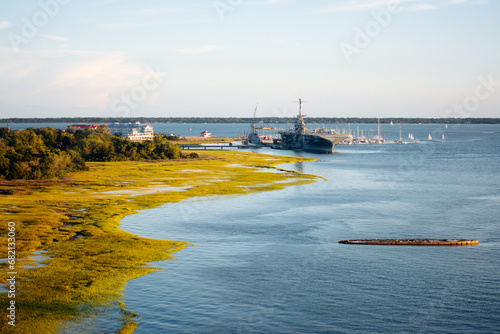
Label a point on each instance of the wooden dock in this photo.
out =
(412, 242)
(215, 147)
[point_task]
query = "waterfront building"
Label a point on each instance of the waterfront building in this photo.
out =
(133, 131)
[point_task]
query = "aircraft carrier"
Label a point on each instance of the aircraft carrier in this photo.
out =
(299, 138)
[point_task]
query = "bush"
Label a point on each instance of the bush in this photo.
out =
(192, 155)
(47, 153)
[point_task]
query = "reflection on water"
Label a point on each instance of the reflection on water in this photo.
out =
(299, 166)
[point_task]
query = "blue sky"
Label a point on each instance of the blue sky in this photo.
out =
(345, 58)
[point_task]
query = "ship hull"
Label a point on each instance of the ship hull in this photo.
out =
(321, 143)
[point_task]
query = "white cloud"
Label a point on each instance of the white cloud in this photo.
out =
(478, 2)
(361, 5)
(4, 24)
(419, 7)
(54, 37)
(65, 78)
(266, 2)
(203, 49)
(409, 5)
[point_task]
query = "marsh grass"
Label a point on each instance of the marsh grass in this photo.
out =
(76, 219)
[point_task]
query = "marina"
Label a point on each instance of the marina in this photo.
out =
(319, 140)
(239, 131)
(240, 145)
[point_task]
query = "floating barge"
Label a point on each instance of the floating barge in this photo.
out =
(412, 242)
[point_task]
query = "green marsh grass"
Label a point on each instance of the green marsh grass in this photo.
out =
(76, 221)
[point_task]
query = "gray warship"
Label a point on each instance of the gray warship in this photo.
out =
(299, 138)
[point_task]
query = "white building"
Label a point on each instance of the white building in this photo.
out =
(133, 131)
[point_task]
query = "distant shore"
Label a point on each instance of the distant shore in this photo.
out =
(265, 120)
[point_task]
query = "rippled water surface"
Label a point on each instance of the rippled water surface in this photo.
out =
(270, 262)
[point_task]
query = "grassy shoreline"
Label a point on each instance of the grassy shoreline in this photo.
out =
(75, 221)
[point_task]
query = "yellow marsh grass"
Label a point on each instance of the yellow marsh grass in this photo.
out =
(76, 220)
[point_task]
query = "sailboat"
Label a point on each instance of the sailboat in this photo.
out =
(410, 136)
(429, 137)
(378, 138)
(442, 136)
(400, 141)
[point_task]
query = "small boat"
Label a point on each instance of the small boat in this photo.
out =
(206, 134)
(429, 138)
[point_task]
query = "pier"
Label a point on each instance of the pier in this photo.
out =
(215, 147)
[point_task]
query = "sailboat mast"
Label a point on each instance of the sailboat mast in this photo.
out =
(378, 132)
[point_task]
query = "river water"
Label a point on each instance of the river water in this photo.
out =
(271, 262)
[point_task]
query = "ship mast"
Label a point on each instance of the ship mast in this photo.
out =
(300, 126)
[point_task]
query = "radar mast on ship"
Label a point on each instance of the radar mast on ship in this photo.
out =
(300, 125)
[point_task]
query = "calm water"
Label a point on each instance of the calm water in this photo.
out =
(190, 130)
(232, 130)
(270, 262)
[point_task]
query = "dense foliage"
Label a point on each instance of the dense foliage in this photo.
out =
(267, 120)
(46, 152)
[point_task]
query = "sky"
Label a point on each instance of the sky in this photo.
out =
(220, 58)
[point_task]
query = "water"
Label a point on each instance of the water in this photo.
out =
(233, 130)
(270, 262)
(186, 129)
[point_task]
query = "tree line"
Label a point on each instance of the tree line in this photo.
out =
(267, 120)
(42, 153)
